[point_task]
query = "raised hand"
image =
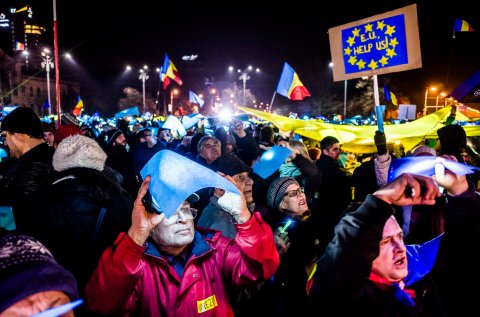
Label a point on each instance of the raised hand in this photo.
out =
(143, 221)
(282, 242)
(237, 127)
(235, 204)
(454, 184)
(409, 189)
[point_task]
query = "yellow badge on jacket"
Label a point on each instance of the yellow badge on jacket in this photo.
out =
(207, 304)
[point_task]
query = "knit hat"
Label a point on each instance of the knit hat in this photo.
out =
(230, 164)
(64, 131)
(79, 151)
(452, 138)
(23, 120)
(277, 189)
(111, 136)
(27, 267)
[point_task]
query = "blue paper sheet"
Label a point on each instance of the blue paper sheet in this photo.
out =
(174, 178)
(425, 166)
(59, 310)
(271, 160)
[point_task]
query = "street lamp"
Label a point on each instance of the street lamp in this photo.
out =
(213, 93)
(144, 77)
(47, 64)
(442, 94)
(173, 92)
(244, 77)
(433, 88)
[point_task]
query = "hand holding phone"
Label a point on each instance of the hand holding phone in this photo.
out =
(149, 205)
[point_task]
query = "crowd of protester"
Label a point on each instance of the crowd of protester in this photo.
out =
(312, 236)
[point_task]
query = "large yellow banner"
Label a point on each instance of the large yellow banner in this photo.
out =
(359, 139)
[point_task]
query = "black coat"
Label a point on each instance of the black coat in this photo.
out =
(335, 193)
(66, 215)
(22, 180)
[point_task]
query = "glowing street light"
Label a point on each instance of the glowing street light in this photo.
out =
(244, 77)
(173, 93)
(47, 63)
(144, 77)
(433, 89)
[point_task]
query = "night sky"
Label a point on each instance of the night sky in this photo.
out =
(104, 37)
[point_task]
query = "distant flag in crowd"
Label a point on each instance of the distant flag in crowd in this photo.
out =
(25, 8)
(390, 96)
(194, 98)
(46, 104)
(461, 26)
(290, 85)
(19, 46)
(79, 107)
(169, 71)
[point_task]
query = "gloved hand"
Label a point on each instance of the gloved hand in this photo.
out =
(380, 142)
(231, 203)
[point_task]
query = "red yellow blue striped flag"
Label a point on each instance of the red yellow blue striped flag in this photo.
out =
(290, 85)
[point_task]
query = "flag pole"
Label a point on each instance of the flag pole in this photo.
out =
(57, 72)
(271, 103)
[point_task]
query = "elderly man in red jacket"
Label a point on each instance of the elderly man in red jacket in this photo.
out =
(167, 267)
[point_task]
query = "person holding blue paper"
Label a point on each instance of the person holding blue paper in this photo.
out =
(165, 266)
(368, 270)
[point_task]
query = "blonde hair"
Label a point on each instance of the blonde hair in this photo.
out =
(300, 147)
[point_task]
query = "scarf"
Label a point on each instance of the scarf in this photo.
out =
(401, 294)
(289, 170)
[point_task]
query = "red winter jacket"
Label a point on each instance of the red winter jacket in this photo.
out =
(133, 280)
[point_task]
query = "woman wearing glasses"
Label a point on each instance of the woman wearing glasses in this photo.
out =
(299, 237)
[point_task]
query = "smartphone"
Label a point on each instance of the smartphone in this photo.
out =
(149, 204)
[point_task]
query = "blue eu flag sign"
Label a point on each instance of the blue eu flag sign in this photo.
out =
(46, 105)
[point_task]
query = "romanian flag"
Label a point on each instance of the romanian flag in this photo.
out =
(19, 46)
(390, 96)
(290, 85)
(79, 107)
(462, 26)
(169, 71)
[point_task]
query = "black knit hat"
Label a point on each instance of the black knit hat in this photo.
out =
(23, 120)
(230, 164)
(112, 135)
(453, 139)
(27, 267)
(277, 189)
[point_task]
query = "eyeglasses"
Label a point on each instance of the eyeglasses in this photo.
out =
(241, 178)
(187, 212)
(294, 192)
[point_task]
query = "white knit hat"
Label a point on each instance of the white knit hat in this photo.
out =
(79, 151)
